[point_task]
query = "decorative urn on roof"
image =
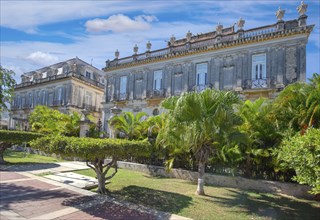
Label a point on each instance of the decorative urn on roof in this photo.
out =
(172, 40)
(302, 8)
(280, 14)
(135, 49)
(149, 46)
(117, 53)
(241, 23)
(188, 36)
(219, 28)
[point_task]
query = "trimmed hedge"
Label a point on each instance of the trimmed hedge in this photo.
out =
(17, 137)
(91, 148)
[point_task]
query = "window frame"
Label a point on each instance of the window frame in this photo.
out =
(157, 75)
(201, 77)
(258, 67)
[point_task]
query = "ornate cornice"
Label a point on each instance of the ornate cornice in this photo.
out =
(217, 47)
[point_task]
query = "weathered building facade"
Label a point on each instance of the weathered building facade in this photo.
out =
(256, 62)
(72, 85)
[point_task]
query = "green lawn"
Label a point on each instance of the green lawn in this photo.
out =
(178, 197)
(17, 158)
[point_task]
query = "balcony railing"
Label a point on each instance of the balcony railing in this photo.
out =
(261, 83)
(61, 76)
(156, 93)
(27, 106)
(57, 102)
(89, 107)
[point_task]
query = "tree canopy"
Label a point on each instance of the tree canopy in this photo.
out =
(200, 123)
(302, 153)
(130, 125)
(7, 83)
(8, 138)
(50, 121)
(94, 151)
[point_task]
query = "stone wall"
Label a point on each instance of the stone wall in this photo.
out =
(290, 189)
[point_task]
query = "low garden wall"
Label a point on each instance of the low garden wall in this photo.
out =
(291, 189)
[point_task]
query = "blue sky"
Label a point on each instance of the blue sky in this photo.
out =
(35, 34)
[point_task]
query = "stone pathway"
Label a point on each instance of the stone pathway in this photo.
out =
(74, 179)
(24, 195)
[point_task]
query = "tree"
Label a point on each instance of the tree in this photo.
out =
(261, 136)
(297, 106)
(130, 125)
(8, 138)
(7, 83)
(302, 153)
(200, 123)
(313, 102)
(49, 121)
(94, 151)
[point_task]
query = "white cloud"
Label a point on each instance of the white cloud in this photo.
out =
(120, 23)
(41, 58)
(29, 15)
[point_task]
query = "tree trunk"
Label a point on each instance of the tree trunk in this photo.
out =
(3, 147)
(101, 182)
(200, 189)
(248, 170)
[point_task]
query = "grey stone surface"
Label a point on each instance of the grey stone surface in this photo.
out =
(74, 179)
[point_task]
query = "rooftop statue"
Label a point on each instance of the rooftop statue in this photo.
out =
(302, 8)
(280, 14)
(188, 36)
(240, 24)
(117, 53)
(172, 40)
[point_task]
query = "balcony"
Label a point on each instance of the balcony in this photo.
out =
(90, 108)
(57, 103)
(122, 97)
(15, 107)
(159, 93)
(57, 77)
(27, 106)
(259, 83)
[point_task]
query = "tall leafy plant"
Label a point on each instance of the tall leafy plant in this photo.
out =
(200, 123)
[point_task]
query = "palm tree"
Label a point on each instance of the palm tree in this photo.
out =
(297, 106)
(199, 122)
(130, 125)
(261, 134)
(313, 102)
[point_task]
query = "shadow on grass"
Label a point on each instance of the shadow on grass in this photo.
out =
(157, 199)
(267, 205)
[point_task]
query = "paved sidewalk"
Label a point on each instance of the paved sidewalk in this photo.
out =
(24, 195)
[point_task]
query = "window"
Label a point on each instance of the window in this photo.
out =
(19, 101)
(259, 71)
(258, 66)
(123, 87)
(43, 98)
(59, 71)
(50, 99)
(88, 74)
(59, 94)
(30, 99)
(157, 80)
(88, 99)
(38, 98)
(201, 74)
